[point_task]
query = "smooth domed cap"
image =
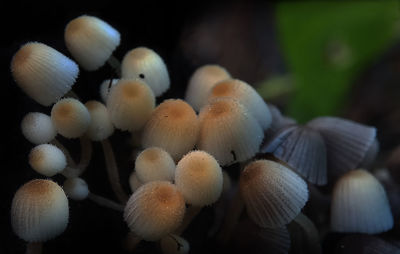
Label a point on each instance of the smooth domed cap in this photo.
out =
(70, 118)
(134, 182)
(100, 126)
(360, 205)
(228, 131)
(105, 88)
(47, 159)
(284, 193)
(39, 211)
(247, 96)
(155, 209)
(145, 64)
(43, 73)
(200, 83)
(154, 164)
(91, 41)
(173, 126)
(130, 103)
(76, 188)
(174, 244)
(38, 128)
(199, 178)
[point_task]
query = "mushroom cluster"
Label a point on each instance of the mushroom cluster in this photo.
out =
(187, 151)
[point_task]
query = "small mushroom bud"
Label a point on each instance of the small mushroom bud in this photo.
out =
(154, 164)
(145, 64)
(91, 41)
(100, 126)
(173, 244)
(38, 128)
(43, 73)
(70, 118)
(76, 188)
(47, 159)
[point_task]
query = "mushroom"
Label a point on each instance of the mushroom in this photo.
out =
(134, 182)
(100, 126)
(47, 159)
(38, 128)
(105, 88)
(174, 244)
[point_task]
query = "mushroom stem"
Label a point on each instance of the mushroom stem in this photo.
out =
(73, 169)
(70, 160)
(190, 214)
(105, 202)
(115, 64)
(309, 232)
(34, 248)
(72, 94)
(112, 171)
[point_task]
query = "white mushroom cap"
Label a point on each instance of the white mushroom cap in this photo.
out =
(76, 188)
(173, 126)
(173, 244)
(228, 131)
(154, 164)
(360, 205)
(43, 73)
(39, 211)
(91, 41)
(70, 118)
(147, 65)
(154, 210)
(199, 178)
(247, 96)
(47, 159)
(130, 103)
(200, 83)
(100, 126)
(134, 182)
(38, 128)
(105, 88)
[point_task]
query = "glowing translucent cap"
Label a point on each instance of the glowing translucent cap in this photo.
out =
(38, 128)
(130, 103)
(173, 126)
(200, 83)
(145, 64)
(39, 211)
(100, 126)
(47, 159)
(76, 188)
(91, 41)
(70, 118)
(105, 88)
(360, 205)
(154, 164)
(155, 209)
(228, 131)
(43, 73)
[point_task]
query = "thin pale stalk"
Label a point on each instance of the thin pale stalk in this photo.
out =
(73, 169)
(105, 202)
(70, 160)
(34, 248)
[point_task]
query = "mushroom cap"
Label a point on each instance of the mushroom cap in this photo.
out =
(130, 103)
(43, 73)
(105, 88)
(359, 204)
(145, 64)
(154, 210)
(200, 83)
(154, 164)
(172, 126)
(247, 96)
(70, 117)
(100, 126)
(91, 41)
(39, 211)
(38, 128)
(273, 194)
(199, 178)
(228, 131)
(47, 159)
(134, 182)
(76, 188)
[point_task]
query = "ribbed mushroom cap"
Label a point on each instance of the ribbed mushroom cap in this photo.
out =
(47, 159)
(278, 121)
(200, 83)
(145, 64)
(38, 128)
(91, 41)
(228, 131)
(105, 88)
(76, 188)
(43, 73)
(70, 118)
(359, 204)
(39, 211)
(173, 126)
(199, 178)
(100, 126)
(154, 164)
(174, 244)
(130, 103)
(155, 209)
(134, 182)
(273, 194)
(247, 96)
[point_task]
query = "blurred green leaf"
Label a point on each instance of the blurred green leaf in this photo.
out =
(327, 44)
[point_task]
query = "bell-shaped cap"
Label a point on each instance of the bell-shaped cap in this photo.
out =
(38, 128)
(154, 164)
(100, 126)
(47, 159)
